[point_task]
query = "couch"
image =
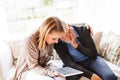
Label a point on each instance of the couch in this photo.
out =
(108, 46)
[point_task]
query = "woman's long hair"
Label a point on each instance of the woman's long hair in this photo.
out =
(51, 24)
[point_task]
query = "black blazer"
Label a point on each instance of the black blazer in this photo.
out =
(86, 46)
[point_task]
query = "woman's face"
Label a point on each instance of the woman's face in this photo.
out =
(53, 37)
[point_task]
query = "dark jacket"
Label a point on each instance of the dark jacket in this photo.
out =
(86, 46)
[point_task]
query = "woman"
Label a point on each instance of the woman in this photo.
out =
(77, 49)
(37, 50)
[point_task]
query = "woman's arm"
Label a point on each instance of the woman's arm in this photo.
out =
(85, 25)
(32, 55)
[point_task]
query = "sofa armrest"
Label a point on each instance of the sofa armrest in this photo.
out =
(6, 60)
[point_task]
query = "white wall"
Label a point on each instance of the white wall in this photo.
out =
(100, 14)
(3, 23)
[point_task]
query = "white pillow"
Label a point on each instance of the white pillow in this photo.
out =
(110, 47)
(6, 60)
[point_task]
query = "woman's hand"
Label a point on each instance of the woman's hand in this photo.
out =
(95, 77)
(56, 73)
(87, 26)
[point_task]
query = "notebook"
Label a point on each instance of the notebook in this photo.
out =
(68, 71)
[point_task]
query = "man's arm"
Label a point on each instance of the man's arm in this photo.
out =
(86, 45)
(85, 25)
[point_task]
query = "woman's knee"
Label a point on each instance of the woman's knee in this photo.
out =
(31, 75)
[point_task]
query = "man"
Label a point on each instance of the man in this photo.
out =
(77, 50)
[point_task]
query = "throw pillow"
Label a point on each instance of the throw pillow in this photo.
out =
(97, 39)
(110, 47)
(15, 47)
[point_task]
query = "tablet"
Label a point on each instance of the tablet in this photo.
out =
(68, 71)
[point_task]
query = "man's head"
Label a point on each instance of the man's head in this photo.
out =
(66, 37)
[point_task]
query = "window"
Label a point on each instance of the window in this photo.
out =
(21, 17)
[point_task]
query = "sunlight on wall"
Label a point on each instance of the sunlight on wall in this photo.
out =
(25, 16)
(3, 23)
(101, 14)
(106, 15)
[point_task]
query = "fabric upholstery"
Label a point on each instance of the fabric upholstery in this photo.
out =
(110, 47)
(6, 60)
(97, 39)
(15, 47)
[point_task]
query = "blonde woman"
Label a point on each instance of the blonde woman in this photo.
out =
(37, 50)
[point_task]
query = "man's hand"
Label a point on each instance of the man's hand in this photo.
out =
(73, 38)
(95, 77)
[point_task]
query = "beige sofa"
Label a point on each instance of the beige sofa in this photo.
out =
(107, 44)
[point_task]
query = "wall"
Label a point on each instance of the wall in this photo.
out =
(100, 14)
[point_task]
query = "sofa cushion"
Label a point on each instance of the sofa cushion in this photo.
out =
(6, 60)
(97, 39)
(110, 47)
(15, 47)
(10, 73)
